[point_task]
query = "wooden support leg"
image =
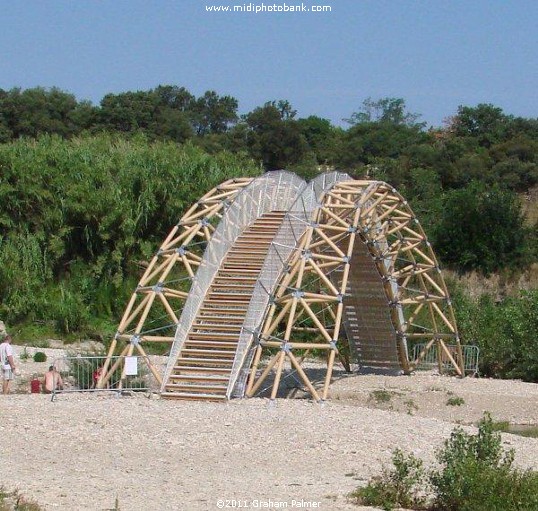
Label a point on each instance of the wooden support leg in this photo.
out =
(303, 376)
(253, 370)
(151, 367)
(281, 357)
(439, 357)
(450, 357)
(264, 375)
(422, 354)
(330, 365)
(106, 379)
(99, 383)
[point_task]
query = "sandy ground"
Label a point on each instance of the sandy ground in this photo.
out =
(81, 452)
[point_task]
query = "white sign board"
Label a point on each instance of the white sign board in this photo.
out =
(131, 366)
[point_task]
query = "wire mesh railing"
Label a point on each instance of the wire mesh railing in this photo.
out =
(297, 220)
(274, 191)
(82, 374)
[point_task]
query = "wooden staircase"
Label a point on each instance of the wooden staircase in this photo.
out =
(367, 319)
(203, 367)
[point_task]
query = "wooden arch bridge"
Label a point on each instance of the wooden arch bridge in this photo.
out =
(261, 272)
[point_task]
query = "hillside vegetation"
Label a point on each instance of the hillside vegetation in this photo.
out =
(87, 192)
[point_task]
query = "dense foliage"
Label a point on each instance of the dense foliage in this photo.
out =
(481, 228)
(384, 139)
(504, 330)
(88, 191)
(474, 473)
(76, 216)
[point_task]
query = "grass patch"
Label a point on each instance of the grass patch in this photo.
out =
(36, 333)
(501, 426)
(381, 396)
(455, 401)
(410, 406)
(526, 430)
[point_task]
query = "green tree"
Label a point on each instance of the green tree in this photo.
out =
(485, 122)
(287, 112)
(174, 97)
(35, 111)
(322, 137)
(129, 112)
(385, 110)
(481, 229)
(212, 113)
(276, 141)
(364, 143)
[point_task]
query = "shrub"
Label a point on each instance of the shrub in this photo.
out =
(476, 474)
(14, 500)
(77, 216)
(40, 357)
(505, 332)
(398, 487)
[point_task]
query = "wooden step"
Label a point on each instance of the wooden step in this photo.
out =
(220, 320)
(220, 278)
(191, 396)
(205, 362)
(217, 327)
(200, 369)
(208, 353)
(233, 287)
(236, 297)
(199, 378)
(211, 336)
(195, 344)
(237, 272)
(222, 305)
(245, 248)
(203, 388)
(224, 311)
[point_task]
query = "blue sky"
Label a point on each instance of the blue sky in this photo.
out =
(434, 54)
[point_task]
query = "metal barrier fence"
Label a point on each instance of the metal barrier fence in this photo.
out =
(82, 373)
(469, 351)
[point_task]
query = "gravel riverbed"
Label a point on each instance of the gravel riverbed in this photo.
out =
(82, 452)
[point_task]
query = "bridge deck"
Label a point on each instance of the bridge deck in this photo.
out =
(204, 364)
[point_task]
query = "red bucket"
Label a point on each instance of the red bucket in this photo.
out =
(35, 386)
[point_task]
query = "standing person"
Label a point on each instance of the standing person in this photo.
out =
(7, 362)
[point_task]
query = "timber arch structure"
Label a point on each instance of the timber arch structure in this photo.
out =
(261, 272)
